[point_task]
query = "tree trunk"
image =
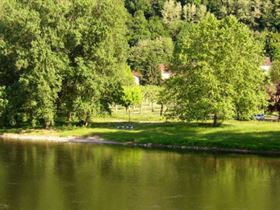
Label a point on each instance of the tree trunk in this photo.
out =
(129, 118)
(161, 109)
(87, 120)
(47, 124)
(69, 116)
(215, 120)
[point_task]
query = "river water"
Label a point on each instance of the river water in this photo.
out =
(47, 176)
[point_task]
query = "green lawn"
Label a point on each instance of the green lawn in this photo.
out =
(251, 135)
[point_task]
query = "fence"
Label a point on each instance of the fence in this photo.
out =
(144, 108)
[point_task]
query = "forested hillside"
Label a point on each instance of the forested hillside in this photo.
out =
(258, 14)
(71, 59)
(152, 20)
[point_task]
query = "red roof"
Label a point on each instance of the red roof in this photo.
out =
(136, 73)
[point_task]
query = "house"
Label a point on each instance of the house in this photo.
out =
(165, 73)
(267, 65)
(136, 76)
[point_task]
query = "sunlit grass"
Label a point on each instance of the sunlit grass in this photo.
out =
(252, 135)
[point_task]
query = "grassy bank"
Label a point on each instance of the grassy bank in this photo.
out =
(251, 135)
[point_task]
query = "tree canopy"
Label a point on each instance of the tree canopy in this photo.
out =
(59, 56)
(147, 56)
(70, 59)
(218, 64)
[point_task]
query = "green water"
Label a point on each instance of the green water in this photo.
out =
(89, 177)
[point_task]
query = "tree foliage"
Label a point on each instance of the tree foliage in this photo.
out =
(274, 89)
(258, 14)
(193, 12)
(274, 101)
(218, 74)
(132, 95)
(3, 101)
(172, 11)
(59, 56)
(275, 72)
(273, 45)
(151, 93)
(146, 57)
(70, 58)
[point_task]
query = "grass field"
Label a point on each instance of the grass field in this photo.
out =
(252, 135)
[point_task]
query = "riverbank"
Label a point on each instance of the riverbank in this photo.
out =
(57, 139)
(99, 141)
(232, 136)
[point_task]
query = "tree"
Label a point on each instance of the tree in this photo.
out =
(3, 101)
(274, 101)
(157, 28)
(274, 90)
(255, 13)
(132, 95)
(275, 72)
(157, 6)
(219, 8)
(241, 10)
(126, 77)
(151, 93)
(172, 16)
(139, 5)
(97, 51)
(270, 15)
(146, 57)
(194, 13)
(31, 59)
(62, 57)
(172, 11)
(273, 45)
(138, 28)
(219, 72)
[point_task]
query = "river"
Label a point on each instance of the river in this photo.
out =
(49, 176)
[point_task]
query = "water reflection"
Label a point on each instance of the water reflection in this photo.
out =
(87, 177)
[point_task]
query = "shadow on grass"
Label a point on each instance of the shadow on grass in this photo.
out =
(236, 135)
(16, 130)
(192, 134)
(155, 124)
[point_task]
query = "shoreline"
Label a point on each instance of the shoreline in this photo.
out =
(100, 141)
(57, 139)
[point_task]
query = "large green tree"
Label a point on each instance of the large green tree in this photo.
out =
(31, 58)
(96, 47)
(61, 56)
(219, 72)
(273, 45)
(138, 28)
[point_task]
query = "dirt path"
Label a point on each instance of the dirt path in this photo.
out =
(59, 139)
